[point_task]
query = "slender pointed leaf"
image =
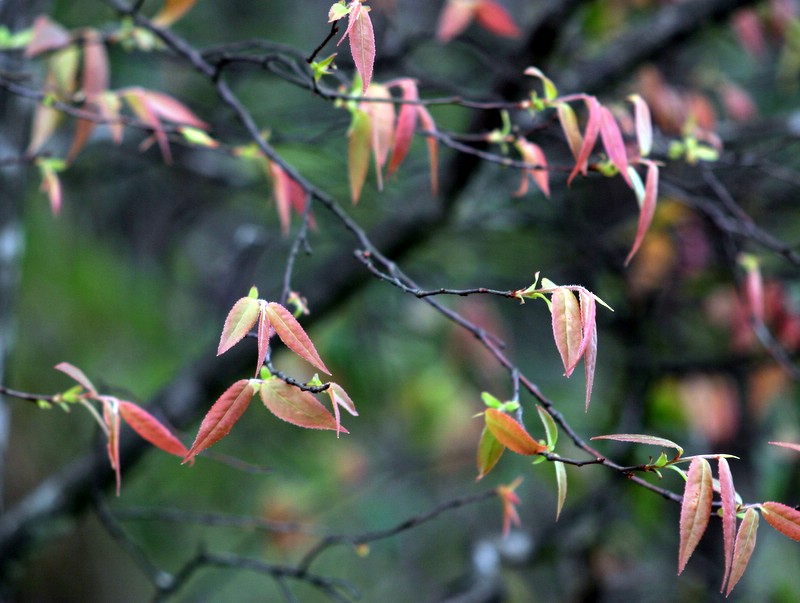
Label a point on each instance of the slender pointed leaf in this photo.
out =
(264, 332)
(569, 123)
(590, 363)
(111, 419)
(550, 427)
(589, 138)
(511, 434)
(743, 549)
(783, 518)
(489, 452)
(566, 315)
(433, 147)
(240, 320)
(638, 438)
(561, 481)
(647, 208)
(406, 124)
(151, 429)
(222, 416)
(95, 83)
(727, 494)
(456, 15)
(382, 127)
(296, 406)
(359, 137)
(550, 90)
(644, 124)
(613, 143)
(695, 509)
(78, 375)
(292, 334)
(495, 18)
(172, 11)
(362, 42)
(47, 35)
(339, 398)
(788, 445)
(533, 154)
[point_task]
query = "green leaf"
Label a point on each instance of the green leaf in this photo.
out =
(695, 509)
(550, 90)
(489, 452)
(550, 427)
(561, 481)
(358, 152)
(490, 401)
(727, 494)
(338, 11)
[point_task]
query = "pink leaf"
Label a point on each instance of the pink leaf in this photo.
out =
(788, 445)
(589, 138)
(533, 154)
(695, 509)
(288, 194)
(569, 123)
(644, 124)
(136, 100)
(264, 333)
(78, 375)
(456, 15)
(170, 109)
(95, 83)
(381, 116)
(590, 362)
(647, 207)
(406, 124)
(783, 518)
(240, 320)
(293, 335)
(358, 152)
(613, 143)
(111, 419)
(296, 406)
(362, 42)
(489, 452)
(51, 186)
(567, 327)
(743, 549)
(151, 429)
(638, 438)
(47, 35)
(433, 147)
(494, 18)
(511, 434)
(222, 416)
(339, 398)
(727, 494)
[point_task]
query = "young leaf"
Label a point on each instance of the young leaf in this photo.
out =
(510, 501)
(47, 35)
(638, 438)
(647, 207)
(511, 434)
(433, 147)
(783, 518)
(727, 494)
(695, 509)
(788, 445)
(264, 332)
(339, 398)
(613, 143)
(362, 41)
(550, 90)
(51, 183)
(589, 138)
(489, 452)
(288, 194)
(172, 11)
(296, 406)
(95, 83)
(240, 320)
(533, 154)
(78, 375)
(644, 125)
(743, 549)
(753, 286)
(495, 19)
(566, 315)
(293, 335)
(338, 11)
(222, 416)
(382, 127)
(590, 363)
(550, 428)
(456, 15)
(569, 123)
(359, 137)
(406, 124)
(151, 429)
(111, 419)
(561, 481)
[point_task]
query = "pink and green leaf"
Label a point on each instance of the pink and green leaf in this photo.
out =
(550, 90)
(561, 481)
(95, 83)
(569, 123)
(47, 35)
(433, 147)
(382, 117)
(743, 548)
(359, 136)
(78, 375)
(489, 452)
(589, 138)
(644, 124)
(511, 434)
(406, 124)
(566, 314)
(695, 509)
(638, 438)
(533, 154)
(783, 518)
(296, 406)
(510, 501)
(647, 207)
(362, 41)
(339, 398)
(263, 333)
(727, 494)
(111, 419)
(240, 320)
(550, 427)
(222, 416)
(292, 334)
(151, 429)
(614, 143)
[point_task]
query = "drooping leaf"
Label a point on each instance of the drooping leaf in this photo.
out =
(95, 83)
(614, 143)
(358, 148)
(489, 452)
(292, 334)
(109, 105)
(111, 419)
(51, 183)
(727, 494)
(240, 320)
(566, 314)
(406, 124)
(644, 124)
(510, 501)
(561, 481)
(589, 138)
(264, 332)
(136, 101)
(550, 428)
(494, 18)
(743, 549)
(381, 115)
(550, 90)
(362, 41)
(288, 194)
(78, 375)
(433, 147)
(788, 445)
(171, 109)
(172, 11)
(339, 398)
(296, 406)
(783, 518)
(222, 416)
(753, 286)
(695, 509)
(47, 35)
(590, 363)
(533, 154)
(638, 438)
(151, 429)
(647, 207)
(511, 434)
(569, 123)
(456, 15)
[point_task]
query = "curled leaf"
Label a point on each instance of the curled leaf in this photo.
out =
(644, 124)
(78, 375)
(533, 154)
(788, 445)
(613, 143)
(589, 137)
(339, 398)
(695, 509)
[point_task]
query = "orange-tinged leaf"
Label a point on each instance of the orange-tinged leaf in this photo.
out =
(494, 18)
(561, 481)
(264, 332)
(644, 124)
(339, 398)
(589, 138)
(222, 416)
(406, 124)
(569, 123)
(171, 109)
(456, 15)
(510, 501)
(566, 315)
(783, 518)
(358, 152)
(142, 109)
(240, 320)
(292, 334)
(95, 83)
(78, 375)
(533, 154)
(788, 445)
(727, 494)
(743, 549)
(296, 406)
(639, 438)
(151, 429)
(381, 116)
(47, 35)
(511, 434)
(613, 143)
(489, 452)
(172, 11)
(51, 186)
(647, 207)
(45, 122)
(695, 509)
(433, 147)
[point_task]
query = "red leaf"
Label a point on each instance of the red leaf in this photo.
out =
(406, 124)
(296, 406)
(489, 452)
(613, 143)
(638, 438)
(456, 15)
(727, 494)
(589, 138)
(433, 147)
(172, 11)
(381, 116)
(647, 207)
(293, 335)
(567, 327)
(695, 509)
(240, 320)
(362, 42)
(47, 35)
(339, 398)
(533, 154)
(511, 434)
(136, 100)
(78, 375)
(288, 194)
(743, 549)
(222, 416)
(358, 152)
(783, 518)
(151, 429)
(644, 125)
(494, 18)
